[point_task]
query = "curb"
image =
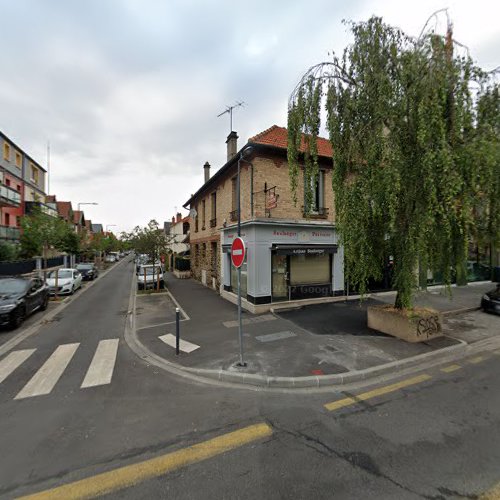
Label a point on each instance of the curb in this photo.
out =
(264, 382)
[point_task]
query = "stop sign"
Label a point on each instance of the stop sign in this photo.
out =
(238, 252)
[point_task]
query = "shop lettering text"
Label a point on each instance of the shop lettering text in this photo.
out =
(308, 251)
(290, 234)
(317, 234)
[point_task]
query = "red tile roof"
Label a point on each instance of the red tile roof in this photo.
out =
(64, 208)
(77, 215)
(278, 137)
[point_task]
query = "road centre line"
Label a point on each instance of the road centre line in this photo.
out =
(47, 376)
(12, 361)
(451, 368)
(341, 403)
(129, 475)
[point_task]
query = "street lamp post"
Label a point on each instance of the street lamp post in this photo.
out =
(243, 153)
(87, 203)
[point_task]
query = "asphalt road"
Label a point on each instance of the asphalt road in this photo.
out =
(435, 437)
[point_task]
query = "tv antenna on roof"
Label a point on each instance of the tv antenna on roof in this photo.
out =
(229, 109)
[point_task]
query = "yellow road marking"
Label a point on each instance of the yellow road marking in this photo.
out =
(451, 368)
(130, 475)
(341, 403)
(477, 359)
(493, 494)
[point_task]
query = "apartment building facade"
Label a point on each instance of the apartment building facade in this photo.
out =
(292, 249)
(22, 184)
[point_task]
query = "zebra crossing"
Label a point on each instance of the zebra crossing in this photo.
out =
(99, 372)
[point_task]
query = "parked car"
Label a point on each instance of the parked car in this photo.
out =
(491, 300)
(110, 258)
(20, 297)
(148, 277)
(68, 281)
(88, 270)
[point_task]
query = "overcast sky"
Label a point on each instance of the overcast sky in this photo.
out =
(128, 91)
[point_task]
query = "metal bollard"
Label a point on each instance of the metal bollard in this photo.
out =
(177, 332)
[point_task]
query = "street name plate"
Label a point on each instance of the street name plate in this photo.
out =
(275, 336)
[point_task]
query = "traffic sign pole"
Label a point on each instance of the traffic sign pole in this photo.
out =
(238, 253)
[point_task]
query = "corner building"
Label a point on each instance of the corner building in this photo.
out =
(292, 249)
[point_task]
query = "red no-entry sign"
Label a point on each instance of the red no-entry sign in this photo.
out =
(238, 252)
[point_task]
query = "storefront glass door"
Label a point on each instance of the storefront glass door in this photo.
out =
(279, 277)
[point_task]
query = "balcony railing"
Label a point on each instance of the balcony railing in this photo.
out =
(317, 213)
(9, 197)
(46, 209)
(233, 216)
(213, 222)
(9, 233)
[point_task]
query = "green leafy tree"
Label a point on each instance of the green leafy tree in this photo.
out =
(404, 116)
(150, 240)
(8, 251)
(41, 232)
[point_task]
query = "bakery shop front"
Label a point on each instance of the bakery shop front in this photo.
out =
(285, 261)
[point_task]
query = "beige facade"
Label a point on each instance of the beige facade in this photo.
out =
(265, 195)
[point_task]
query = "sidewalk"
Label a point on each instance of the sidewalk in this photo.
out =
(324, 339)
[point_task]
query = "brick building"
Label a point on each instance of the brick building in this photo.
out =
(292, 249)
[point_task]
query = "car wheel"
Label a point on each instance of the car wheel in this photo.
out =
(72, 290)
(45, 303)
(17, 317)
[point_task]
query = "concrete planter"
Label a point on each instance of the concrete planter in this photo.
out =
(416, 325)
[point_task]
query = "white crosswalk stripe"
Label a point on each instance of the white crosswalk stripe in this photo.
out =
(184, 345)
(47, 376)
(12, 361)
(101, 369)
(99, 372)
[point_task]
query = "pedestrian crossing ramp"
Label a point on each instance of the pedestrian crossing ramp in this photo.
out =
(99, 372)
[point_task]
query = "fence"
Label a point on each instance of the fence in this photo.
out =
(28, 266)
(182, 264)
(18, 267)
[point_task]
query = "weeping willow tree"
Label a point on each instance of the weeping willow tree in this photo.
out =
(410, 158)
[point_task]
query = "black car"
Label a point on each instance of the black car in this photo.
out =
(491, 300)
(19, 297)
(88, 271)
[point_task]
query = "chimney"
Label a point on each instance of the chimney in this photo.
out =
(179, 216)
(173, 220)
(232, 145)
(206, 167)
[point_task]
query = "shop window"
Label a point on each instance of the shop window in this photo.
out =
(310, 269)
(234, 279)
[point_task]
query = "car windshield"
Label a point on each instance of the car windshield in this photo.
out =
(8, 286)
(61, 274)
(149, 270)
(84, 267)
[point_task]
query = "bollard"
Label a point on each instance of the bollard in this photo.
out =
(177, 333)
